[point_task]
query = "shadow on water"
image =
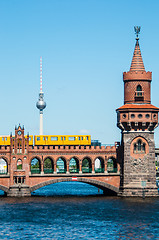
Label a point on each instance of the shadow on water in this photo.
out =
(68, 189)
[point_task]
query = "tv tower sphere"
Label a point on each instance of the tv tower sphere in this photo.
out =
(41, 104)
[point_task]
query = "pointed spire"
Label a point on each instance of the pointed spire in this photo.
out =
(137, 62)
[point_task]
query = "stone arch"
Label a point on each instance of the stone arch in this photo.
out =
(35, 165)
(86, 165)
(3, 165)
(99, 165)
(48, 165)
(61, 165)
(107, 188)
(3, 188)
(74, 165)
(139, 147)
(112, 165)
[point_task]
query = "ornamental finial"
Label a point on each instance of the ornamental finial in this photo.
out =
(137, 31)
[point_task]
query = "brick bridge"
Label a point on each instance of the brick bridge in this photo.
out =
(21, 177)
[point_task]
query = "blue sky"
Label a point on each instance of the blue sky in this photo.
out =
(86, 45)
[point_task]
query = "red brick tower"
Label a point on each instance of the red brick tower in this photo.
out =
(137, 119)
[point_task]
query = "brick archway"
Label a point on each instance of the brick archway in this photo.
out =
(102, 185)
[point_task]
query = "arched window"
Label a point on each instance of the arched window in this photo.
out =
(139, 88)
(139, 146)
(19, 164)
(3, 166)
(139, 92)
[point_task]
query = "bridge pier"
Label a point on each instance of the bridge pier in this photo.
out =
(19, 190)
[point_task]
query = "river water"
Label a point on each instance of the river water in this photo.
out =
(77, 211)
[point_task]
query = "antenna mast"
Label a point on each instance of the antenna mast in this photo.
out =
(41, 103)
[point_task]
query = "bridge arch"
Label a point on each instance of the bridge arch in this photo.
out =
(35, 165)
(87, 164)
(61, 164)
(112, 164)
(74, 165)
(48, 165)
(3, 165)
(99, 164)
(107, 188)
(3, 188)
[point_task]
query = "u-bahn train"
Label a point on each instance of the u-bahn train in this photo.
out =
(52, 140)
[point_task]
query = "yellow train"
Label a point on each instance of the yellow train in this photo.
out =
(40, 140)
(62, 140)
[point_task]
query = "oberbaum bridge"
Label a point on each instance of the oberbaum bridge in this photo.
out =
(30, 162)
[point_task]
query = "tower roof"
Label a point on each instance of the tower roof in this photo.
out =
(137, 62)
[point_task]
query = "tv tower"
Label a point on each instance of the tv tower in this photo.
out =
(40, 103)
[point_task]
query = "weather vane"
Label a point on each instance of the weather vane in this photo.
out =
(137, 31)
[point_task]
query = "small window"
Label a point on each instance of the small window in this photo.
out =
(61, 138)
(44, 138)
(139, 115)
(81, 138)
(2, 138)
(71, 138)
(139, 88)
(19, 164)
(78, 138)
(54, 138)
(29, 138)
(139, 145)
(147, 115)
(64, 138)
(6, 139)
(132, 115)
(38, 138)
(87, 138)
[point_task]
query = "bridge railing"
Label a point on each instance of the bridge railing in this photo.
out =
(35, 170)
(48, 170)
(86, 170)
(74, 170)
(99, 170)
(61, 171)
(114, 170)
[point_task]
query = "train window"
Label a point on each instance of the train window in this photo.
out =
(61, 138)
(29, 138)
(87, 138)
(38, 138)
(71, 138)
(6, 139)
(54, 138)
(78, 138)
(64, 138)
(2, 138)
(81, 138)
(46, 138)
(43, 138)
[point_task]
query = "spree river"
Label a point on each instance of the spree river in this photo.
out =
(77, 211)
